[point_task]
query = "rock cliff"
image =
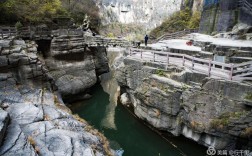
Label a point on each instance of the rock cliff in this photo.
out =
(223, 15)
(73, 66)
(211, 112)
(33, 118)
(144, 12)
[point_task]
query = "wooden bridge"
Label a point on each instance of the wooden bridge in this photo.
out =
(235, 72)
(40, 34)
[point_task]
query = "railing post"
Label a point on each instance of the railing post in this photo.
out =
(223, 67)
(9, 32)
(209, 68)
(130, 51)
(141, 54)
(167, 59)
(192, 63)
(183, 60)
(153, 56)
(231, 72)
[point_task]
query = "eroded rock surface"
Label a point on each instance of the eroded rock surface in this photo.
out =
(33, 118)
(73, 66)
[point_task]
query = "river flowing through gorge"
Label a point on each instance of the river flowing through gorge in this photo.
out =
(125, 131)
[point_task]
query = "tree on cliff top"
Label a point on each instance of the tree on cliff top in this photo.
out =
(43, 11)
(31, 11)
(79, 8)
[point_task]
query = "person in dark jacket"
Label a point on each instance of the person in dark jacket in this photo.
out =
(146, 39)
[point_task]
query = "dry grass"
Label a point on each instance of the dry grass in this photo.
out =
(47, 118)
(87, 128)
(78, 118)
(103, 139)
(31, 140)
(196, 125)
(37, 150)
(61, 106)
(247, 132)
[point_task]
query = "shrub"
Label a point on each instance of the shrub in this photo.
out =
(160, 72)
(111, 35)
(247, 132)
(248, 96)
(194, 21)
(18, 25)
(224, 119)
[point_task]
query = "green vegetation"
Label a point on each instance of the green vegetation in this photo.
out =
(249, 97)
(131, 32)
(194, 21)
(160, 73)
(111, 35)
(18, 25)
(224, 119)
(32, 12)
(179, 21)
(219, 123)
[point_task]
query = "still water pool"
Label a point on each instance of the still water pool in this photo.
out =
(126, 132)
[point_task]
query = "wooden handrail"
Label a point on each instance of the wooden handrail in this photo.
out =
(225, 68)
(7, 31)
(176, 34)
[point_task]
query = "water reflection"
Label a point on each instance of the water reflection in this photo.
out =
(110, 86)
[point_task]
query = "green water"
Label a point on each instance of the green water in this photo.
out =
(125, 131)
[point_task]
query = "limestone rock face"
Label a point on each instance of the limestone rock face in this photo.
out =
(148, 13)
(33, 118)
(210, 111)
(222, 15)
(74, 67)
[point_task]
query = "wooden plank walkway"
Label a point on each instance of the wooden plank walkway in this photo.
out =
(235, 72)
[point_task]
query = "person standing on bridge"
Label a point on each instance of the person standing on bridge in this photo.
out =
(146, 39)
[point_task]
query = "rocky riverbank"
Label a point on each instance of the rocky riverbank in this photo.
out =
(33, 118)
(211, 112)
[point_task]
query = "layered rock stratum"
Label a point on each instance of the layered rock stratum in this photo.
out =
(212, 112)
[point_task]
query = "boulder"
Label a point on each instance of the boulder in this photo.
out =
(5, 43)
(125, 99)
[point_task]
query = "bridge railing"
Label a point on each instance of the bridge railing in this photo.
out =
(176, 34)
(237, 72)
(7, 32)
(246, 4)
